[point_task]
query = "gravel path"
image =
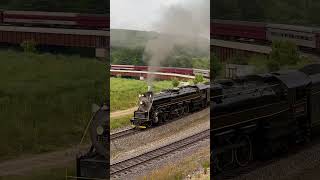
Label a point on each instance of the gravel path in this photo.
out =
(122, 113)
(151, 139)
(26, 165)
(294, 166)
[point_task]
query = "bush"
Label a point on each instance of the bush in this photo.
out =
(175, 82)
(198, 79)
(29, 46)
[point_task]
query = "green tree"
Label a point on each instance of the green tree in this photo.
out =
(284, 53)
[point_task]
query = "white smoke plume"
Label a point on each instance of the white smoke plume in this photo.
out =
(186, 24)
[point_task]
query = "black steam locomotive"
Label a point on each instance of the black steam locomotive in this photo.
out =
(95, 163)
(169, 104)
(255, 116)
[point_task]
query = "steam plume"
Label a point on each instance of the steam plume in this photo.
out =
(185, 24)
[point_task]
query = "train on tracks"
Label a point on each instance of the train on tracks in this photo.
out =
(155, 109)
(54, 19)
(95, 163)
(255, 116)
(174, 70)
(260, 32)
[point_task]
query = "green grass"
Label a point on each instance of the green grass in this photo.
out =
(124, 92)
(120, 122)
(45, 100)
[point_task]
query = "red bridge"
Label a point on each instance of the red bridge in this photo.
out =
(162, 73)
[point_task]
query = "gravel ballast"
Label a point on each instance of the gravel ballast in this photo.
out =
(151, 139)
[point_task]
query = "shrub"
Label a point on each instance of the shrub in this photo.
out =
(198, 79)
(175, 82)
(29, 46)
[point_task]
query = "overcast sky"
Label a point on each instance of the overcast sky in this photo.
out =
(139, 14)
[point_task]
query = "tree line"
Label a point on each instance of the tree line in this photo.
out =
(180, 57)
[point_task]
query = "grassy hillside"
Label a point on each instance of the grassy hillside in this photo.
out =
(124, 92)
(45, 100)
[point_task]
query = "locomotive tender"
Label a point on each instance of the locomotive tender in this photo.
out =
(258, 115)
(169, 104)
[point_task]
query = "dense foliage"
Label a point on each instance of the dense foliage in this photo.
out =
(85, 6)
(284, 55)
(127, 47)
(178, 58)
(284, 11)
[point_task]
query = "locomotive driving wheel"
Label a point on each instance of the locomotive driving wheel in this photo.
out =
(223, 160)
(156, 118)
(243, 153)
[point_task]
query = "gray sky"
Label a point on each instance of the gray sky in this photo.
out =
(139, 14)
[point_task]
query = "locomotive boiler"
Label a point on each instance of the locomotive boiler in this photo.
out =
(256, 116)
(155, 109)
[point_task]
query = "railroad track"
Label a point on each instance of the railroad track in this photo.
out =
(123, 133)
(123, 167)
(133, 131)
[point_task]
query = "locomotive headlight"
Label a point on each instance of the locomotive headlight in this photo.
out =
(141, 102)
(100, 130)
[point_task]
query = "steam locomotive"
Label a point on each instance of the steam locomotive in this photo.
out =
(256, 116)
(155, 109)
(95, 163)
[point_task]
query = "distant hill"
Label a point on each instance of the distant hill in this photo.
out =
(130, 38)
